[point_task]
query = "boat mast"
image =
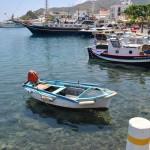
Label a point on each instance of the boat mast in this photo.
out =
(93, 7)
(46, 11)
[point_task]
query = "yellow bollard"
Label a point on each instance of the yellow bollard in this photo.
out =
(138, 134)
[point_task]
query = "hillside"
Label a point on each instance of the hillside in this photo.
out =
(88, 6)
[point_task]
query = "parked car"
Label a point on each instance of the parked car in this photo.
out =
(135, 27)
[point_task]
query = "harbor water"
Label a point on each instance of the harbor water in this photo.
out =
(27, 124)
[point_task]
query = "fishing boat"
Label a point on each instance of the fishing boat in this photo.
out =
(68, 94)
(132, 50)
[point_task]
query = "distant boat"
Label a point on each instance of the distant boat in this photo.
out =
(68, 94)
(10, 24)
(60, 28)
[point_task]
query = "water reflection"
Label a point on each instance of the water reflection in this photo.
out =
(69, 116)
(104, 64)
(122, 71)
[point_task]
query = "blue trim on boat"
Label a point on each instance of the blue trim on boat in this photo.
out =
(63, 97)
(84, 92)
(86, 85)
(95, 97)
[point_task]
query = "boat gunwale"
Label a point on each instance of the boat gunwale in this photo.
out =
(86, 85)
(94, 97)
(72, 100)
(81, 85)
(50, 93)
(89, 86)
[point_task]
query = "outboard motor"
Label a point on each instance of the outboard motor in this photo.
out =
(33, 77)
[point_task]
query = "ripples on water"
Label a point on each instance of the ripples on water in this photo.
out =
(28, 124)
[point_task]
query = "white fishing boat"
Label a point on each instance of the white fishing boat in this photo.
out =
(68, 94)
(130, 50)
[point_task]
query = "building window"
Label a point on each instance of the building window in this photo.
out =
(116, 44)
(130, 52)
(119, 11)
(117, 51)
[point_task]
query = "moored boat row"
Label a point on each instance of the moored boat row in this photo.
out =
(116, 46)
(134, 50)
(111, 47)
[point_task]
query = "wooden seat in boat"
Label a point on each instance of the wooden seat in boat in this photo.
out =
(59, 90)
(42, 86)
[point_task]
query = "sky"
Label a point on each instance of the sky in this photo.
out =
(20, 7)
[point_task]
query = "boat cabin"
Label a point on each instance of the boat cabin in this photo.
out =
(131, 46)
(89, 23)
(101, 37)
(115, 47)
(135, 40)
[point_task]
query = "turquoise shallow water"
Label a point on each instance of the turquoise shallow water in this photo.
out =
(30, 125)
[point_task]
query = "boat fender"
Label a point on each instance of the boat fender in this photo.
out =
(47, 98)
(86, 102)
(33, 77)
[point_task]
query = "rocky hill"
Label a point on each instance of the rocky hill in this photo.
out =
(89, 4)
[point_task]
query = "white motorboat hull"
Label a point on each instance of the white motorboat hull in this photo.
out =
(67, 94)
(137, 60)
(10, 25)
(95, 103)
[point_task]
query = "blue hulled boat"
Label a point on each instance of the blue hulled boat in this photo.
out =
(57, 30)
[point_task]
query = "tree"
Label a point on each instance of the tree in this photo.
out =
(50, 18)
(148, 14)
(29, 15)
(138, 13)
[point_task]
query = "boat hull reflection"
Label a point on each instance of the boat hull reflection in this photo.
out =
(63, 115)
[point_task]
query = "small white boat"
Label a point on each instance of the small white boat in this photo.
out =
(68, 94)
(10, 24)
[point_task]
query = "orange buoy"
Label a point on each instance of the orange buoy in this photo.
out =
(33, 76)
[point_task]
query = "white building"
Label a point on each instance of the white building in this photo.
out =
(104, 13)
(125, 4)
(117, 10)
(80, 14)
